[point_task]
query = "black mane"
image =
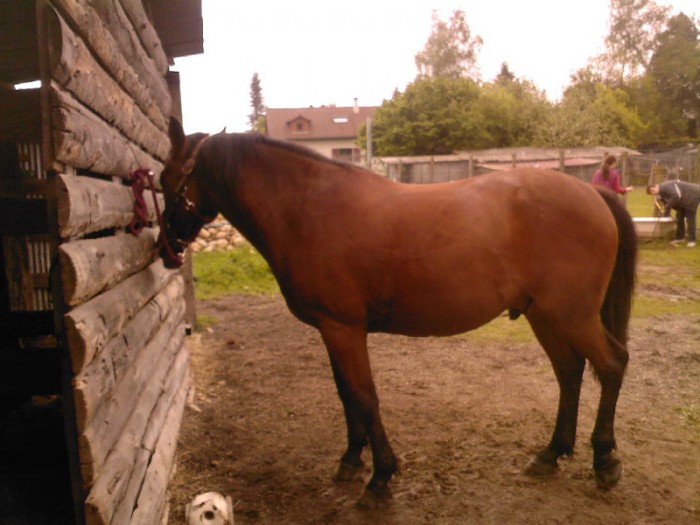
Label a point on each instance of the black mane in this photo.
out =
(240, 145)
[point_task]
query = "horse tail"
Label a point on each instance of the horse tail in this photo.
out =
(617, 305)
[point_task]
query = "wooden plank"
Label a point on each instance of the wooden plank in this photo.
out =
(74, 68)
(110, 480)
(87, 205)
(20, 115)
(91, 266)
(149, 367)
(91, 325)
(150, 93)
(97, 379)
(176, 380)
(23, 216)
(83, 140)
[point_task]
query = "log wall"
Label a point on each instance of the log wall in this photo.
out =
(105, 107)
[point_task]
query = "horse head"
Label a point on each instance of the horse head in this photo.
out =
(187, 209)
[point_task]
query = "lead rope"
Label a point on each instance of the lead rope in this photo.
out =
(138, 184)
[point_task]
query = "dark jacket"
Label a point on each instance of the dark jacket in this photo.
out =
(678, 194)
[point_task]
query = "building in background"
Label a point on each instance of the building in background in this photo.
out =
(329, 130)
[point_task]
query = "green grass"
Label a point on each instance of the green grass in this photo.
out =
(242, 270)
(639, 204)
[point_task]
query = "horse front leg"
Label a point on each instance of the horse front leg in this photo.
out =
(347, 349)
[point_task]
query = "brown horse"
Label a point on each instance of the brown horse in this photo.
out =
(355, 253)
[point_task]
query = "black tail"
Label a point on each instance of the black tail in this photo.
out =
(618, 299)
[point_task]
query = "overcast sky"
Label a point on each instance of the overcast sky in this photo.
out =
(322, 52)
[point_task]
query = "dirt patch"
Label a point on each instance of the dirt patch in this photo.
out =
(265, 426)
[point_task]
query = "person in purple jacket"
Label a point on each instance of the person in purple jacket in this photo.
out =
(683, 197)
(608, 177)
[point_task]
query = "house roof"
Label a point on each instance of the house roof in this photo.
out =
(323, 123)
(179, 25)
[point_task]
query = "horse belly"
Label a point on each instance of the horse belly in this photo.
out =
(440, 314)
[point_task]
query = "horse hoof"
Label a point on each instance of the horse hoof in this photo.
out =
(373, 500)
(607, 477)
(347, 472)
(540, 468)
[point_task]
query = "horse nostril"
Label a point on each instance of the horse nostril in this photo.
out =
(208, 515)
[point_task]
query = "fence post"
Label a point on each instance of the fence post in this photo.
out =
(562, 163)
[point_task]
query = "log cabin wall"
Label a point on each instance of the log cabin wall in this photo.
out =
(119, 316)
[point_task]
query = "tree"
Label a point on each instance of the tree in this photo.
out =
(634, 25)
(512, 110)
(591, 115)
(256, 119)
(433, 116)
(675, 72)
(451, 50)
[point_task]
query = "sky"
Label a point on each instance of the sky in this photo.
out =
(325, 52)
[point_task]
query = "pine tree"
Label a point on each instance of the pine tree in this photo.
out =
(256, 119)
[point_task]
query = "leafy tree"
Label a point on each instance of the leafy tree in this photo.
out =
(451, 50)
(256, 119)
(512, 110)
(675, 72)
(634, 25)
(433, 116)
(590, 115)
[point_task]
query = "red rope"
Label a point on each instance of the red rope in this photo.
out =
(139, 178)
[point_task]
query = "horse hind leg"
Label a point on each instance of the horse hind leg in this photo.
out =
(588, 338)
(609, 366)
(568, 367)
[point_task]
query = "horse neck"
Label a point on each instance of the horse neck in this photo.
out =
(273, 191)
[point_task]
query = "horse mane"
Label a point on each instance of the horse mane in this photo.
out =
(236, 147)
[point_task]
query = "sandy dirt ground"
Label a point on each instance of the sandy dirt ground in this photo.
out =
(265, 426)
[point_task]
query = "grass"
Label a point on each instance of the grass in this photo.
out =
(639, 204)
(221, 273)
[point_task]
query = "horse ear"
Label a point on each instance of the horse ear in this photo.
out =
(176, 134)
(188, 166)
(222, 131)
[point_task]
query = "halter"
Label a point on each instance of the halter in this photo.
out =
(138, 183)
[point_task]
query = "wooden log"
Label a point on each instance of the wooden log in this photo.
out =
(134, 391)
(74, 68)
(91, 266)
(117, 22)
(151, 500)
(87, 205)
(92, 324)
(156, 428)
(147, 33)
(112, 479)
(150, 93)
(92, 385)
(83, 140)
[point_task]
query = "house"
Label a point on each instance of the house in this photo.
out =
(329, 130)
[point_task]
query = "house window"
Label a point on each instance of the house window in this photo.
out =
(340, 120)
(347, 154)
